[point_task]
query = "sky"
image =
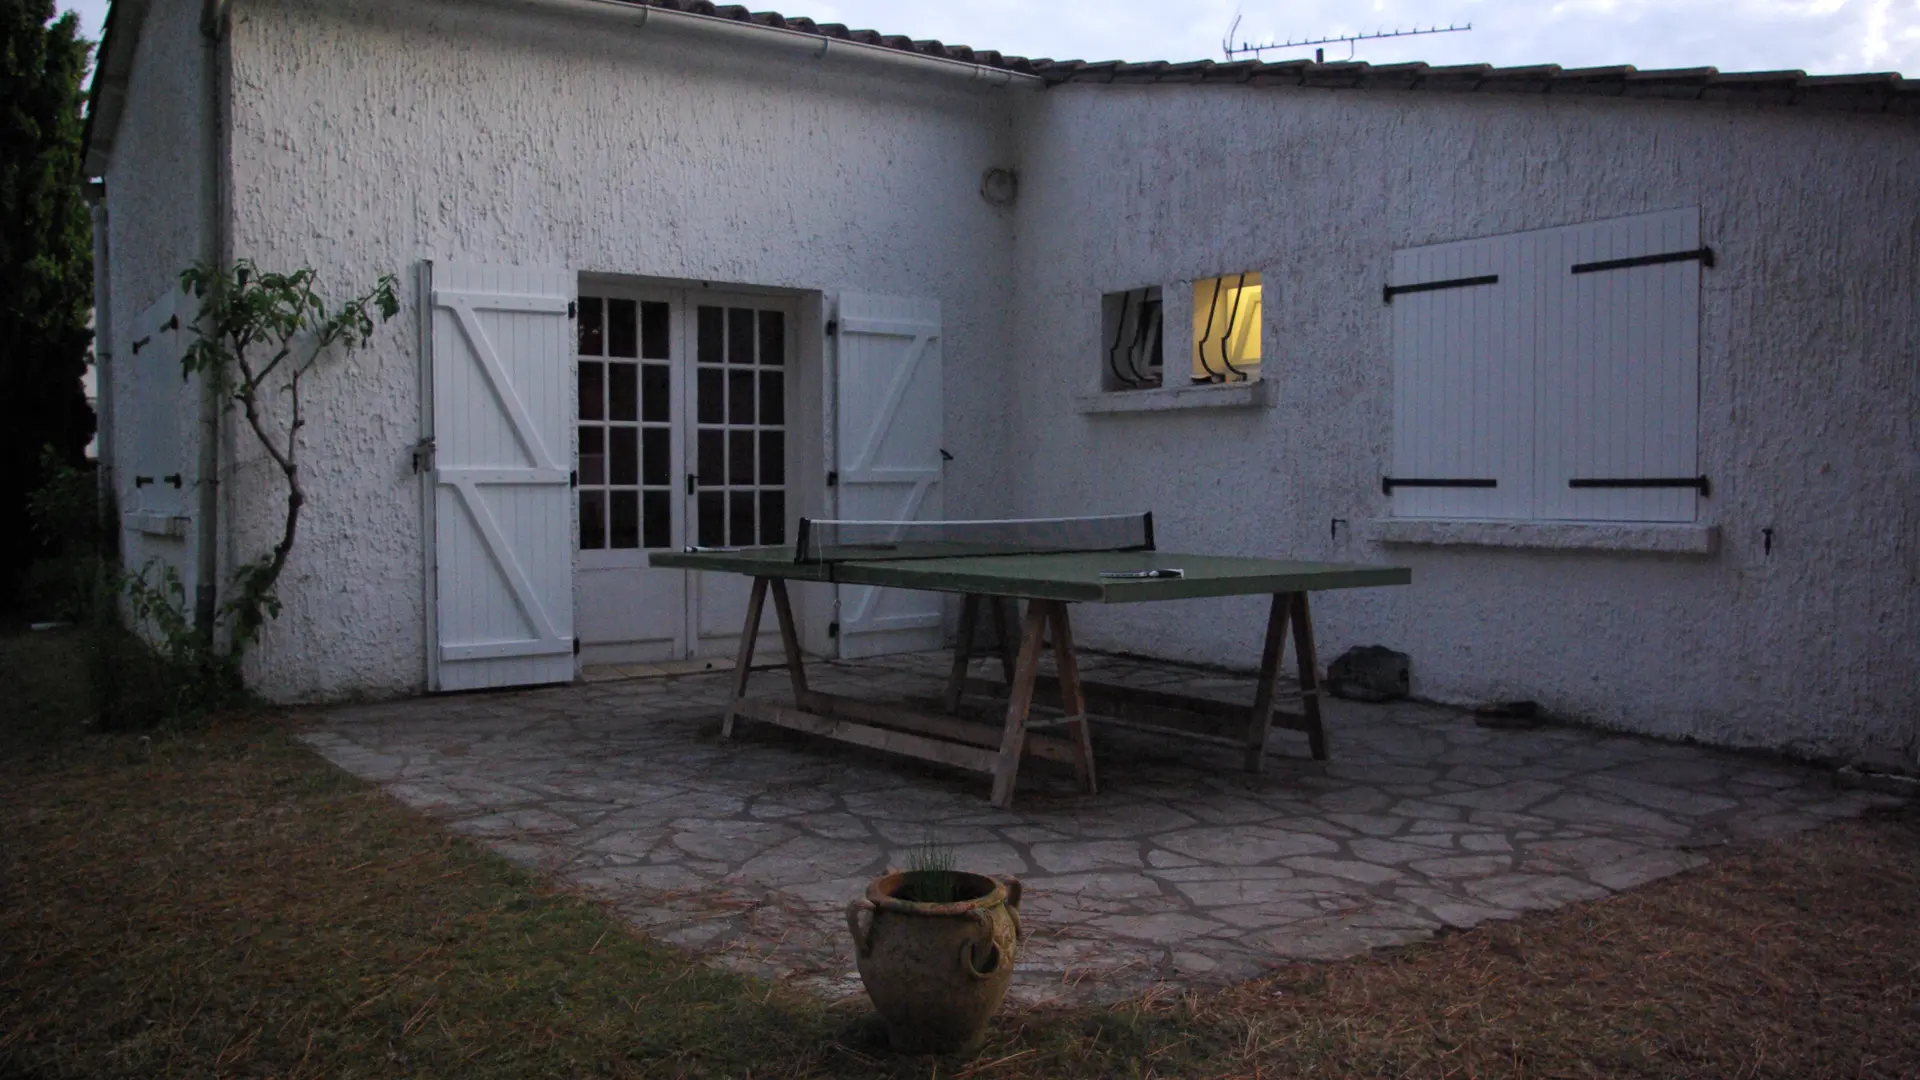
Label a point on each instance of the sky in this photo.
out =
(1817, 36)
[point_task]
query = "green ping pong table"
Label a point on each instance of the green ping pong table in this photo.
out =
(1048, 583)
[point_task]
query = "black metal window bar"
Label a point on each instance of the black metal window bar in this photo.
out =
(1228, 372)
(1704, 254)
(1388, 292)
(1136, 358)
(1388, 483)
(1698, 483)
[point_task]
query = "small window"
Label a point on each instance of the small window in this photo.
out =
(1132, 357)
(1226, 328)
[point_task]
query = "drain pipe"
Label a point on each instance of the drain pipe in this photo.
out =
(213, 27)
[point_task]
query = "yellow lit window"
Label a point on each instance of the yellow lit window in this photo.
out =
(1226, 328)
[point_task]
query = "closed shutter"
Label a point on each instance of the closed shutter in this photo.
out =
(501, 408)
(156, 477)
(888, 431)
(1463, 381)
(1619, 372)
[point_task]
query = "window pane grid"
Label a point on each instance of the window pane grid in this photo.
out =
(740, 440)
(625, 430)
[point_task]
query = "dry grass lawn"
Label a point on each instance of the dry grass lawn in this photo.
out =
(225, 903)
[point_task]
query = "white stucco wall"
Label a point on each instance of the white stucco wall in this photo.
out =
(1810, 352)
(367, 137)
(156, 229)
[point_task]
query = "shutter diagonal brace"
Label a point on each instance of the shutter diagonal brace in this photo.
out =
(517, 581)
(503, 391)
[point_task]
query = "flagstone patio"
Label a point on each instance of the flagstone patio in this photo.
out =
(1182, 868)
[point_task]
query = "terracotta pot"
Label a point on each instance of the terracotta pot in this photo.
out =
(936, 972)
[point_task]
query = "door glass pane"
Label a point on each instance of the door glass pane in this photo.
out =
(740, 397)
(625, 531)
(592, 391)
(773, 338)
(739, 335)
(773, 457)
(740, 457)
(656, 519)
(623, 391)
(591, 337)
(712, 408)
(713, 519)
(624, 455)
(654, 315)
(773, 517)
(593, 454)
(593, 519)
(655, 458)
(623, 330)
(711, 344)
(741, 510)
(773, 398)
(654, 407)
(713, 449)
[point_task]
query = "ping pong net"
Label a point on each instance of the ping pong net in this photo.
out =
(827, 540)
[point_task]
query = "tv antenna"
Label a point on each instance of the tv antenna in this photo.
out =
(1248, 48)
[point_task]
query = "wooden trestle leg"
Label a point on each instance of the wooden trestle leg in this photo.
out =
(962, 653)
(1260, 721)
(1309, 677)
(743, 659)
(1013, 738)
(1072, 701)
(790, 643)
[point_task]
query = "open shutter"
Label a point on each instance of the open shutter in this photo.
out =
(1619, 384)
(1463, 318)
(887, 441)
(502, 519)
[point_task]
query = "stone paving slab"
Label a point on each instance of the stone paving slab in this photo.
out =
(1183, 868)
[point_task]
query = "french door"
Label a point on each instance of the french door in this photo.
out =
(682, 440)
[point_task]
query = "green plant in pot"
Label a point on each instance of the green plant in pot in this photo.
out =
(935, 947)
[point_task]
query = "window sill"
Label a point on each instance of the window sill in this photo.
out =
(1664, 539)
(1246, 395)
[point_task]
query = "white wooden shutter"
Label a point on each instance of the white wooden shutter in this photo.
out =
(1618, 382)
(1463, 380)
(888, 431)
(501, 412)
(164, 405)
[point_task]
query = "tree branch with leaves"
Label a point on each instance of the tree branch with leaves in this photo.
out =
(258, 338)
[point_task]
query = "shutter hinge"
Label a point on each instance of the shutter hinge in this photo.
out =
(573, 479)
(423, 456)
(573, 310)
(833, 629)
(833, 479)
(576, 646)
(833, 327)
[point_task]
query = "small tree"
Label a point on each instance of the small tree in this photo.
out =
(259, 336)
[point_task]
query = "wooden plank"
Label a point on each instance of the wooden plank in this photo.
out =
(1261, 717)
(743, 659)
(962, 651)
(971, 732)
(1006, 770)
(1102, 697)
(1071, 701)
(1315, 727)
(877, 738)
